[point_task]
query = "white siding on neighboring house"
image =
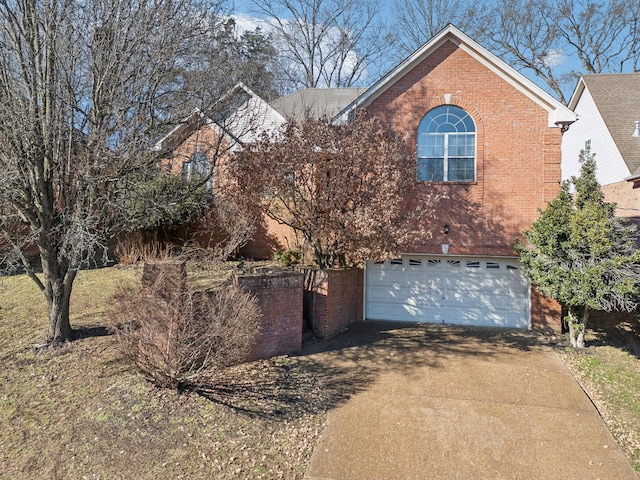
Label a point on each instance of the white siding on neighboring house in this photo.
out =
(611, 167)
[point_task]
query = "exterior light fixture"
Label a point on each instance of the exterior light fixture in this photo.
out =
(636, 132)
(445, 248)
(446, 229)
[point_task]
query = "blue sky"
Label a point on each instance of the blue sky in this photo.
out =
(244, 8)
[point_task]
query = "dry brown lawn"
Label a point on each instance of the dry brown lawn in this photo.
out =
(80, 411)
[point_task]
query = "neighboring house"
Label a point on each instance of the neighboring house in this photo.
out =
(608, 107)
(488, 141)
(201, 143)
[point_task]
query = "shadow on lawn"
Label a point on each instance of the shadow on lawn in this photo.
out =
(617, 329)
(92, 331)
(328, 373)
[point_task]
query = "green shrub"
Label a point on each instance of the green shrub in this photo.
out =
(288, 257)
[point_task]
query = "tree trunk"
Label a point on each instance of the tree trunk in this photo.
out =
(583, 329)
(572, 332)
(577, 322)
(58, 295)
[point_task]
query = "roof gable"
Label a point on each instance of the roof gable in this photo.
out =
(617, 98)
(558, 113)
(240, 115)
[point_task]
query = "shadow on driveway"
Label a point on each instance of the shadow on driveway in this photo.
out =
(328, 373)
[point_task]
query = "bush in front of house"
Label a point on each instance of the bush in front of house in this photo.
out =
(180, 339)
(288, 257)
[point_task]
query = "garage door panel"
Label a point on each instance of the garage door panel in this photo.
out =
(467, 291)
(397, 312)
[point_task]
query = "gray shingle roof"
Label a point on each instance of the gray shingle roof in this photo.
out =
(617, 97)
(316, 102)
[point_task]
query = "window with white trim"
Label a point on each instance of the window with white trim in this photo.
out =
(197, 168)
(447, 146)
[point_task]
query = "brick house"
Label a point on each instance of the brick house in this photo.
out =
(204, 144)
(489, 141)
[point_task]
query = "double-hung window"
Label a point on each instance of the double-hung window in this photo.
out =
(197, 168)
(447, 146)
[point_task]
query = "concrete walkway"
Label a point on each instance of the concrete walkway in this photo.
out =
(439, 402)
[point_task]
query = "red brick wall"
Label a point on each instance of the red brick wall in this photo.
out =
(334, 299)
(626, 197)
(279, 297)
(546, 313)
(518, 155)
(280, 300)
(270, 237)
(157, 345)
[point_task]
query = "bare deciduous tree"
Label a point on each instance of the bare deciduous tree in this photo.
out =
(536, 36)
(604, 35)
(416, 21)
(346, 190)
(325, 43)
(81, 86)
(525, 34)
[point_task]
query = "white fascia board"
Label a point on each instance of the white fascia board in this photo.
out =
(577, 94)
(558, 113)
(159, 145)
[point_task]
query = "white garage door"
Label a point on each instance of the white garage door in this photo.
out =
(456, 290)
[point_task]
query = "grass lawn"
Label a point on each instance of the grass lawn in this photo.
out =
(81, 412)
(609, 371)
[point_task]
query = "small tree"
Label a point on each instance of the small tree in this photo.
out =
(580, 254)
(345, 189)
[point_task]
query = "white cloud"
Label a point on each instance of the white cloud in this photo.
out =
(246, 23)
(553, 58)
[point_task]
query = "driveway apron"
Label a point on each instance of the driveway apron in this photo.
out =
(444, 402)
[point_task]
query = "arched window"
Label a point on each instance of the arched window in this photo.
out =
(197, 168)
(447, 146)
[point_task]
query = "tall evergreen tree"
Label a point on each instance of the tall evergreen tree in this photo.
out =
(579, 253)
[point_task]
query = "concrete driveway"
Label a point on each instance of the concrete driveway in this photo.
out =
(444, 402)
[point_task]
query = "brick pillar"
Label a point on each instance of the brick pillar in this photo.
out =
(280, 300)
(334, 299)
(165, 280)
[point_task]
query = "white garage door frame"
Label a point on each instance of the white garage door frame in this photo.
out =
(450, 289)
